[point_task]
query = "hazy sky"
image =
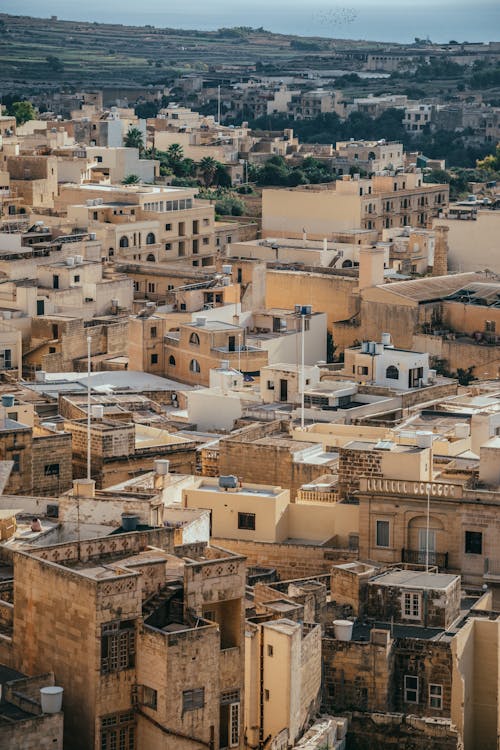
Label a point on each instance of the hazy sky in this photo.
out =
(396, 20)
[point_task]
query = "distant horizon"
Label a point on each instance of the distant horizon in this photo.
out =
(387, 21)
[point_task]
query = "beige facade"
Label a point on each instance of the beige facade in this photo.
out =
(378, 203)
(153, 224)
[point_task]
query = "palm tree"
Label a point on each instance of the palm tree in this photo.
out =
(208, 168)
(134, 139)
(175, 155)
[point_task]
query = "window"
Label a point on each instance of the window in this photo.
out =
(436, 696)
(123, 241)
(151, 287)
(474, 542)
(270, 385)
(76, 279)
(194, 366)
(193, 699)
(489, 326)
(362, 370)
(246, 521)
(270, 650)
(12, 415)
(411, 605)
(194, 339)
(136, 286)
(150, 258)
(150, 238)
(171, 360)
(266, 695)
(52, 349)
(168, 227)
(153, 332)
(118, 732)
(117, 646)
(206, 240)
(168, 245)
(411, 689)
(51, 470)
(392, 373)
(382, 533)
(234, 725)
(154, 359)
(16, 457)
(149, 697)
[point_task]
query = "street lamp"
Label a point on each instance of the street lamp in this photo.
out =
(302, 311)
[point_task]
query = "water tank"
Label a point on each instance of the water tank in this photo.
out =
(365, 347)
(70, 261)
(130, 521)
(49, 426)
(424, 438)
(51, 699)
(78, 260)
(200, 320)
(379, 348)
(371, 347)
(92, 236)
(162, 466)
(115, 302)
(386, 339)
(97, 411)
(462, 429)
(7, 400)
(228, 482)
(227, 269)
(226, 281)
(224, 364)
(306, 310)
(343, 629)
(40, 376)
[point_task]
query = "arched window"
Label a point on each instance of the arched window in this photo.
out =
(111, 252)
(194, 365)
(392, 373)
(372, 156)
(347, 264)
(150, 238)
(194, 339)
(123, 241)
(171, 360)
(151, 258)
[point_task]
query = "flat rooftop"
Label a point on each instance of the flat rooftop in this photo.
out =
(415, 579)
(244, 490)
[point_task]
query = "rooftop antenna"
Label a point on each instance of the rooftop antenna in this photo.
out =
(89, 341)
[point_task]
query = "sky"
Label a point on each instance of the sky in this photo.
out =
(384, 20)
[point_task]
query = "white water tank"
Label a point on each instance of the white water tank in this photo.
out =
(40, 376)
(70, 261)
(424, 438)
(52, 426)
(200, 320)
(386, 339)
(51, 699)
(97, 411)
(379, 348)
(343, 629)
(365, 347)
(162, 466)
(224, 364)
(78, 260)
(227, 269)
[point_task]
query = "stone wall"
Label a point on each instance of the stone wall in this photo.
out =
(49, 452)
(353, 464)
(43, 732)
(290, 560)
(398, 732)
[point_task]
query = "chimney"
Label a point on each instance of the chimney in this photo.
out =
(440, 266)
(371, 266)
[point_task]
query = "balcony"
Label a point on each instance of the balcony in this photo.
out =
(418, 557)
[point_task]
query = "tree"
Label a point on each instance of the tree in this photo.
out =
(134, 139)
(55, 64)
(491, 163)
(175, 154)
(131, 179)
(22, 111)
(208, 169)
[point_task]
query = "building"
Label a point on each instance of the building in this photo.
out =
(381, 202)
(160, 636)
